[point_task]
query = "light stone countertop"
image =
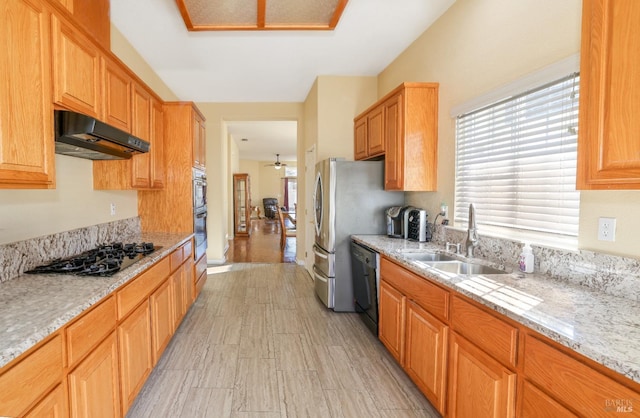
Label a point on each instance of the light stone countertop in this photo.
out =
(32, 306)
(600, 326)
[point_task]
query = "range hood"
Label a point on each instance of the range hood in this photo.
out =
(79, 135)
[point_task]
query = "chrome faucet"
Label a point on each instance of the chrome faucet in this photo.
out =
(472, 232)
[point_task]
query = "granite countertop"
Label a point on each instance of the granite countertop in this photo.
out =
(34, 306)
(600, 326)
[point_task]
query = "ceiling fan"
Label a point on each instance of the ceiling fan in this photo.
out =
(277, 165)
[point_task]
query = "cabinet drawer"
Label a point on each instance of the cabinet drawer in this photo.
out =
(90, 329)
(140, 287)
(187, 250)
(201, 266)
(430, 297)
(25, 382)
(574, 383)
(177, 257)
(485, 330)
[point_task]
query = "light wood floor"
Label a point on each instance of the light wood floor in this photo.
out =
(262, 245)
(257, 343)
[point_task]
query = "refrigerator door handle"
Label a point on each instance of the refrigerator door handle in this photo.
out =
(319, 254)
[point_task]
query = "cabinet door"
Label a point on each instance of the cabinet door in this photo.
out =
(394, 154)
(162, 323)
(178, 296)
(76, 70)
(479, 386)
(425, 358)
(26, 111)
(94, 385)
(157, 145)
(391, 320)
(117, 96)
(360, 139)
(608, 146)
(533, 403)
(375, 132)
(141, 129)
(134, 338)
(54, 405)
(187, 268)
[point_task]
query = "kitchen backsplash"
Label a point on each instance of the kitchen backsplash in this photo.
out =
(614, 275)
(17, 257)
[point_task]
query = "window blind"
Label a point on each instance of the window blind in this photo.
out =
(516, 161)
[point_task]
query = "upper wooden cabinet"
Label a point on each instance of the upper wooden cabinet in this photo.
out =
(403, 126)
(199, 141)
(77, 82)
(26, 111)
(92, 16)
(608, 143)
(369, 134)
(157, 145)
(117, 95)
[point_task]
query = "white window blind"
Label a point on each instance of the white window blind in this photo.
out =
(516, 161)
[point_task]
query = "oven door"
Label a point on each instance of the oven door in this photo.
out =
(199, 190)
(200, 232)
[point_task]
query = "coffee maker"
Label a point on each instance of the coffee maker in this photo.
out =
(396, 221)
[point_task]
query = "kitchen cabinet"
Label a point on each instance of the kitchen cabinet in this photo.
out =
(134, 338)
(117, 96)
(39, 371)
(403, 126)
(426, 353)
(369, 134)
(391, 320)
(85, 333)
(54, 405)
(241, 205)
(200, 275)
(162, 324)
(26, 111)
(411, 326)
(94, 384)
(141, 163)
(566, 380)
(171, 209)
(534, 403)
(479, 386)
(199, 141)
(608, 146)
(157, 145)
(76, 70)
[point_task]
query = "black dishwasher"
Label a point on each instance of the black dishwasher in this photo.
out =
(364, 273)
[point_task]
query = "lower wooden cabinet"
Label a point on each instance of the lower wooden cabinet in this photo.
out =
(479, 386)
(54, 405)
(534, 403)
(426, 353)
(162, 323)
(134, 339)
(391, 320)
(94, 386)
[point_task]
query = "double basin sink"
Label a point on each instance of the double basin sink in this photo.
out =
(448, 264)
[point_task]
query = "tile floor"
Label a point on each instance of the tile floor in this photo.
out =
(258, 343)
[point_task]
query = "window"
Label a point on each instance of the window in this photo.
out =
(516, 162)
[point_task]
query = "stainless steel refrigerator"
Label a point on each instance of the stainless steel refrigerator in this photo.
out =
(349, 198)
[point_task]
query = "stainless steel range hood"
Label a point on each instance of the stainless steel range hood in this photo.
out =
(79, 135)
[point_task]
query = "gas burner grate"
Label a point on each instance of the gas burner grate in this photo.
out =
(104, 260)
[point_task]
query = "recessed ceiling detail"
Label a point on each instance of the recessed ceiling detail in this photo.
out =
(212, 15)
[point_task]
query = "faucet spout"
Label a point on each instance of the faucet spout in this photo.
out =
(472, 233)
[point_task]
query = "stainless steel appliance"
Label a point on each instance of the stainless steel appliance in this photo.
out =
(365, 268)
(199, 212)
(349, 198)
(79, 135)
(417, 226)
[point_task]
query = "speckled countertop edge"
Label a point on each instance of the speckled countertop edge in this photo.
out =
(34, 306)
(599, 326)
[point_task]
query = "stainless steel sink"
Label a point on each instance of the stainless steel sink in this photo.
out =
(425, 256)
(460, 267)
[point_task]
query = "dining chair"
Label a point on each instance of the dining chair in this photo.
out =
(284, 231)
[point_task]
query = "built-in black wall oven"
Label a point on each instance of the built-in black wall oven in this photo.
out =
(200, 211)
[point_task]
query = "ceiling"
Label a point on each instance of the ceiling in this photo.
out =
(273, 65)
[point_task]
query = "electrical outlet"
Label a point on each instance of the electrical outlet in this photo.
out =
(606, 229)
(113, 209)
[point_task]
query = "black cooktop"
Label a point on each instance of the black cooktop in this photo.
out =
(104, 260)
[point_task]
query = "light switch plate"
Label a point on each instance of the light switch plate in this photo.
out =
(606, 229)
